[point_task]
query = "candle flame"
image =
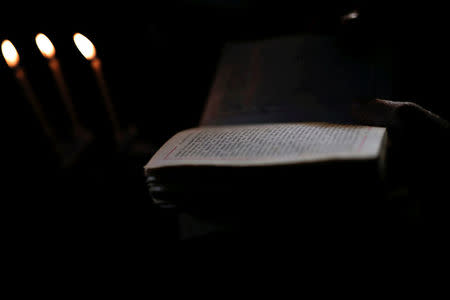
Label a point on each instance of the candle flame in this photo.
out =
(45, 45)
(10, 54)
(350, 16)
(85, 46)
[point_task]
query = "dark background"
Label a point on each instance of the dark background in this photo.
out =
(159, 61)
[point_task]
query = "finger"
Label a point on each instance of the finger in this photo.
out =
(375, 112)
(397, 115)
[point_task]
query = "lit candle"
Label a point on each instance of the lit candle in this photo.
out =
(12, 59)
(87, 49)
(48, 50)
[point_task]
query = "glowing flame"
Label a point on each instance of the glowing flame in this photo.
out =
(351, 16)
(45, 45)
(10, 54)
(84, 45)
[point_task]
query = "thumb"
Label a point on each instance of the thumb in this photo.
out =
(398, 116)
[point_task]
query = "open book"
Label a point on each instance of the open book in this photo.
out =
(215, 167)
(277, 118)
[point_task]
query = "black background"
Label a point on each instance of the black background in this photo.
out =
(159, 61)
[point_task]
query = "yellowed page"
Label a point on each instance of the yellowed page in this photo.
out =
(283, 143)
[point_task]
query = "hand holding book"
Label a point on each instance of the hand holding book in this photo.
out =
(279, 134)
(418, 151)
(414, 132)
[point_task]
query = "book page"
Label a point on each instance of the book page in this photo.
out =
(253, 145)
(303, 78)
